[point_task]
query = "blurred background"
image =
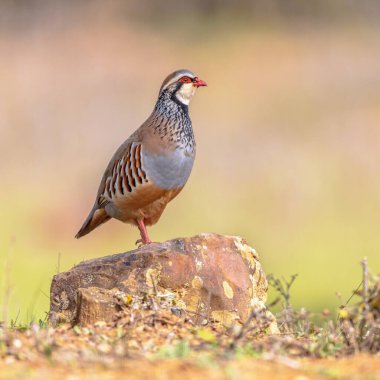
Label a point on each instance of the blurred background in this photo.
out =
(288, 133)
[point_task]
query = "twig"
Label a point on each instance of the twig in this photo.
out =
(196, 313)
(7, 281)
(365, 311)
(365, 286)
(153, 284)
(254, 314)
(350, 298)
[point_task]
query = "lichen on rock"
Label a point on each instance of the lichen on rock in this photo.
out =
(208, 276)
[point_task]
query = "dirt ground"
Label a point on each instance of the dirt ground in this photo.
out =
(281, 368)
(148, 339)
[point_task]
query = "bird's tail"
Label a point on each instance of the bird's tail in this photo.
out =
(96, 217)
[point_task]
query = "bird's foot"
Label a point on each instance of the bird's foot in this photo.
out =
(141, 242)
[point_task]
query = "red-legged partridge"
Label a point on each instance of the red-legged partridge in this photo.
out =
(152, 166)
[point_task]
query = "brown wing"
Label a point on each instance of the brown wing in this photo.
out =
(123, 176)
(124, 183)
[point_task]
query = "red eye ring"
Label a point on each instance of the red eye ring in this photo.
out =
(185, 80)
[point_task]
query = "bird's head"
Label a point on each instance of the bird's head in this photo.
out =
(182, 84)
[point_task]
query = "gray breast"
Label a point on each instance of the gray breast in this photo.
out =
(169, 171)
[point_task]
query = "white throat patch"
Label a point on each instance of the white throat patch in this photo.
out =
(185, 93)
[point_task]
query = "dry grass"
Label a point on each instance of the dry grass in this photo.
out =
(150, 331)
(152, 324)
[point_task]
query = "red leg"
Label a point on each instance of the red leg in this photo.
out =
(143, 232)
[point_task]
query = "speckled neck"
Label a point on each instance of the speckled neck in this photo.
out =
(172, 121)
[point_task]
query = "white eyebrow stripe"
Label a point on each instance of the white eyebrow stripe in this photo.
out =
(175, 78)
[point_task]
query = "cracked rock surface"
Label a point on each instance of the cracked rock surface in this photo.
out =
(208, 276)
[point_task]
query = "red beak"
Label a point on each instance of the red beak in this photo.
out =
(199, 82)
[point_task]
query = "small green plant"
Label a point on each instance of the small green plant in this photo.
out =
(43, 324)
(248, 351)
(178, 350)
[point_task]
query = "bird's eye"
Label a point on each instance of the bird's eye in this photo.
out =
(185, 80)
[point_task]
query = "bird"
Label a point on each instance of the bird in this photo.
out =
(153, 165)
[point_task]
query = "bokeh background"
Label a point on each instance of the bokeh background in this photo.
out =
(288, 133)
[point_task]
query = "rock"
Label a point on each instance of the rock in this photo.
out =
(209, 276)
(95, 304)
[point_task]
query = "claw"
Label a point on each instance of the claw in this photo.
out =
(140, 243)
